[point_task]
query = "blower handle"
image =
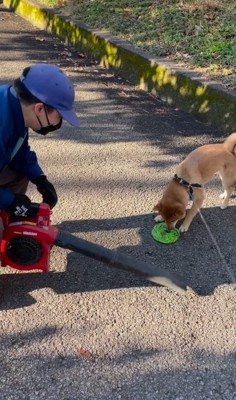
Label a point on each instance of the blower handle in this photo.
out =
(35, 206)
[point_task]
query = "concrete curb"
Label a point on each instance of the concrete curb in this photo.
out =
(209, 101)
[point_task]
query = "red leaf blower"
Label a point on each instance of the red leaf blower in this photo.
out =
(27, 242)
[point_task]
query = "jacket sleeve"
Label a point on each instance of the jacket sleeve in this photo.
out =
(6, 198)
(25, 161)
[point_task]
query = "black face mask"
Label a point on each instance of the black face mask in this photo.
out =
(49, 128)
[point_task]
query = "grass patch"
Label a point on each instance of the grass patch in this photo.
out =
(197, 34)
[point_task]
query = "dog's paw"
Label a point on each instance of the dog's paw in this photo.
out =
(222, 195)
(158, 218)
(223, 206)
(183, 228)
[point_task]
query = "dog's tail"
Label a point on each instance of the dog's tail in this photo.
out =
(230, 143)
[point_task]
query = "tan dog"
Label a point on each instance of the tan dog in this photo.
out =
(195, 171)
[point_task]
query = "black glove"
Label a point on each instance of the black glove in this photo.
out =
(47, 190)
(21, 207)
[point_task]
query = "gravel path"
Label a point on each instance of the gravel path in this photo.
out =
(85, 330)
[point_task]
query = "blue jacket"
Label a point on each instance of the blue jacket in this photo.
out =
(14, 148)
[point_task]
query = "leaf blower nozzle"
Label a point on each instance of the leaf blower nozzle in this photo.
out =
(121, 261)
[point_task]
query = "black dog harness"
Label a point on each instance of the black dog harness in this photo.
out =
(188, 185)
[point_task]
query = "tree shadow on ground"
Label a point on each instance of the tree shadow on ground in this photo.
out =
(199, 372)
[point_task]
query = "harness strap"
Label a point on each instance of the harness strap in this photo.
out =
(188, 185)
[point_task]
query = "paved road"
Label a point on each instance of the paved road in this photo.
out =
(84, 330)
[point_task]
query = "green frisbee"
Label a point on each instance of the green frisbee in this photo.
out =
(162, 235)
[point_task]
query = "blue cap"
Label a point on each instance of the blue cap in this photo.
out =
(52, 87)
